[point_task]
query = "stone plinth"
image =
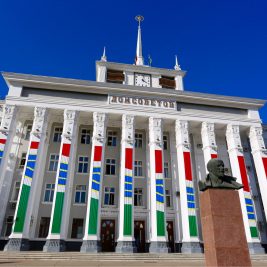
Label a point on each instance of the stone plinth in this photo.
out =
(223, 230)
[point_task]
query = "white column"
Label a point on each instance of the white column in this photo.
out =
(91, 240)
(126, 205)
(158, 238)
(259, 153)
(31, 178)
(10, 136)
(208, 142)
(59, 222)
(238, 167)
(187, 191)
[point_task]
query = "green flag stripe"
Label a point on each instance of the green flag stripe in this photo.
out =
(57, 216)
(92, 229)
(192, 225)
(21, 213)
(127, 226)
(160, 223)
(253, 231)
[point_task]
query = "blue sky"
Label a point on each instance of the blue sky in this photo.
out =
(220, 43)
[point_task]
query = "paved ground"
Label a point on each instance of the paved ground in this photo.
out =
(108, 259)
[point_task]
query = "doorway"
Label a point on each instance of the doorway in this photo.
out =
(108, 235)
(170, 235)
(140, 236)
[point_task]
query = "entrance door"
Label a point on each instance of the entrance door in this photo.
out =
(77, 228)
(44, 227)
(108, 235)
(140, 235)
(170, 235)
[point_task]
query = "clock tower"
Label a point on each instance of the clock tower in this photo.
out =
(139, 74)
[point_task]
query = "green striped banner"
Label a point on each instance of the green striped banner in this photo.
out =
(127, 226)
(160, 223)
(193, 225)
(92, 229)
(57, 216)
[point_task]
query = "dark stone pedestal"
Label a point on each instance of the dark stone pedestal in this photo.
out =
(90, 246)
(158, 247)
(223, 231)
(191, 247)
(54, 245)
(17, 244)
(126, 247)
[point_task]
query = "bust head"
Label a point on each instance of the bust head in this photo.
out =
(216, 167)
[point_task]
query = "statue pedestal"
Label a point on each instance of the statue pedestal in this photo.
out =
(223, 230)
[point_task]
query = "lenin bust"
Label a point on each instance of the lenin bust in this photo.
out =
(217, 179)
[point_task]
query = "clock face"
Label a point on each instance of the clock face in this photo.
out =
(142, 79)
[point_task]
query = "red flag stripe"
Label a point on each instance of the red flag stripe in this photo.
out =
(187, 166)
(243, 172)
(265, 165)
(214, 156)
(129, 158)
(2, 141)
(34, 145)
(158, 161)
(98, 153)
(66, 150)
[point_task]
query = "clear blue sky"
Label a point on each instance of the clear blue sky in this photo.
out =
(221, 43)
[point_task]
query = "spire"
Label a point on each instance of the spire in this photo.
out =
(104, 58)
(177, 66)
(139, 60)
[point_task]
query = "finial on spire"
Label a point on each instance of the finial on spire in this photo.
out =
(104, 58)
(139, 60)
(177, 66)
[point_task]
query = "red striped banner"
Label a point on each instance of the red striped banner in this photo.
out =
(98, 153)
(243, 173)
(214, 156)
(34, 145)
(265, 165)
(2, 141)
(158, 161)
(187, 166)
(129, 158)
(66, 150)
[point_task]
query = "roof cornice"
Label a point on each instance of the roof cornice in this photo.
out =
(84, 86)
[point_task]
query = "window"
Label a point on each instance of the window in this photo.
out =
(168, 198)
(110, 166)
(22, 160)
(166, 170)
(112, 138)
(85, 136)
(165, 142)
(109, 197)
(80, 194)
(49, 192)
(44, 227)
(138, 197)
(138, 168)
(16, 191)
(57, 134)
(53, 162)
(83, 164)
(138, 140)
(77, 228)
(28, 131)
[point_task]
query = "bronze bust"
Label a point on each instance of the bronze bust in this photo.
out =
(217, 179)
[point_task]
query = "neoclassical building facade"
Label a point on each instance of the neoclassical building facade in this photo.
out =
(113, 164)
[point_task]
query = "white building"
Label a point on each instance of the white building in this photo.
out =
(113, 165)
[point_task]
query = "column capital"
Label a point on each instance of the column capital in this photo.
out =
(208, 136)
(155, 131)
(182, 134)
(100, 121)
(233, 138)
(256, 140)
(8, 112)
(70, 116)
(127, 129)
(40, 120)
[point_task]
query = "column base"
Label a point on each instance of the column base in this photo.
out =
(17, 244)
(256, 248)
(158, 247)
(126, 247)
(54, 245)
(90, 246)
(191, 247)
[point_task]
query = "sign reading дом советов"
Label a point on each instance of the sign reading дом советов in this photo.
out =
(140, 101)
